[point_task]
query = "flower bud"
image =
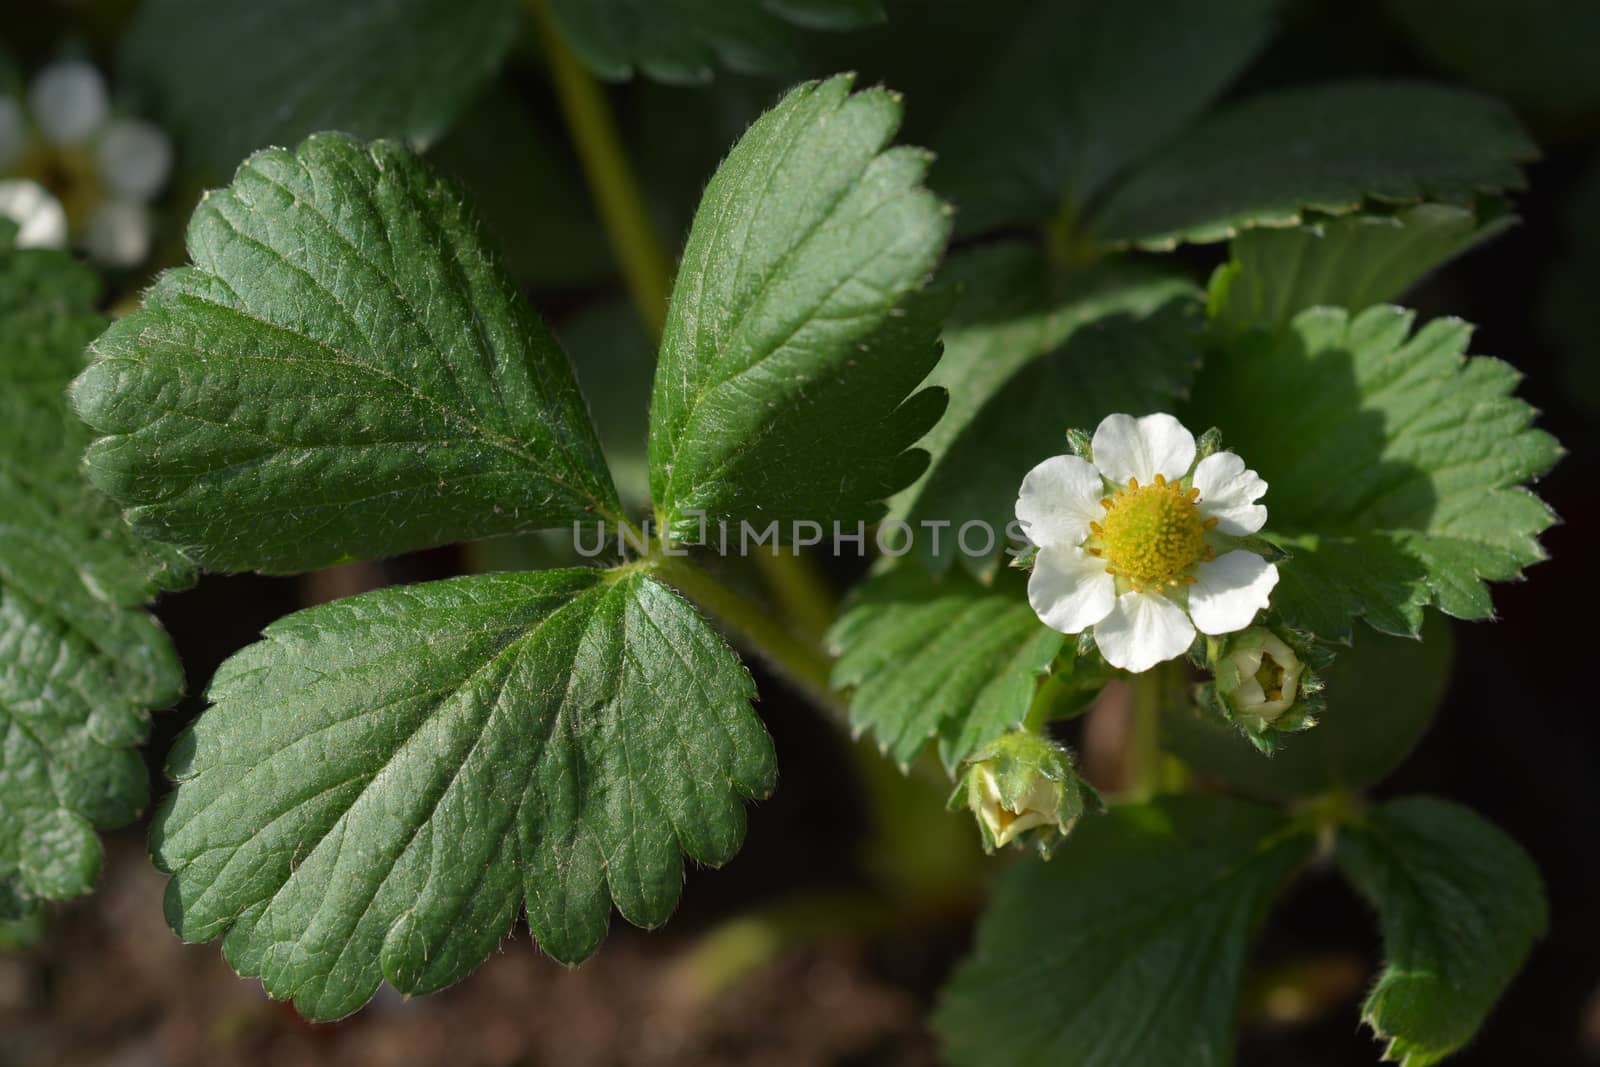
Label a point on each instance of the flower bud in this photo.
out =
(1263, 683)
(1023, 786)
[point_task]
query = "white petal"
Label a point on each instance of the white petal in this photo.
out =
(1228, 591)
(1126, 447)
(41, 221)
(135, 158)
(1142, 630)
(1228, 493)
(1070, 589)
(68, 100)
(1059, 499)
(13, 131)
(118, 234)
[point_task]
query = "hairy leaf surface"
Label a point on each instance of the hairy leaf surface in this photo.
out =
(799, 322)
(383, 781)
(1396, 465)
(346, 370)
(946, 658)
(1127, 946)
(1460, 904)
(80, 660)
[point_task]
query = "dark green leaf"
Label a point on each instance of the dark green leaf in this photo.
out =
(1329, 148)
(1461, 905)
(1352, 262)
(384, 780)
(1126, 947)
(1540, 52)
(1381, 696)
(1396, 466)
(235, 77)
(684, 41)
(799, 322)
(947, 658)
(1080, 90)
(1032, 351)
(346, 370)
(80, 662)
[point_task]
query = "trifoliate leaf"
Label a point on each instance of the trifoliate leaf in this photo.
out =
(346, 370)
(1352, 262)
(947, 658)
(1460, 904)
(1538, 52)
(80, 661)
(684, 41)
(799, 322)
(1079, 91)
(1126, 947)
(1330, 148)
(1381, 697)
(1032, 351)
(1396, 466)
(382, 781)
(235, 77)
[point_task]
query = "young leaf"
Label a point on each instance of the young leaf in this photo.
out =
(1329, 148)
(1032, 351)
(682, 41)
(346, 370)
(1126, 947)
(1461, 905)
(1352, 262)
(1382, 695)
(80, 661)
(383, 780)
(1396, 465)
(234, 77)
(947, 658)
(799, 322)
(1080, 90)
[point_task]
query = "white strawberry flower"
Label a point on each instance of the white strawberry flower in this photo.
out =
(1141, 543)
(72, 172)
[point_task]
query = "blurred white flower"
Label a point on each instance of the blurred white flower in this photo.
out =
(71, 172)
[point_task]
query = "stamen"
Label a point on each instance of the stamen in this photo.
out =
(1096, 529)
(1133, 483)
(1161, 480)
(1189, 579)
(1209, 554)
(1094, 551)
(1105, 502)
(1193, 494)
(1211, 523)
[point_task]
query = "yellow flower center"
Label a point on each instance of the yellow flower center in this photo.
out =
(1152, 534)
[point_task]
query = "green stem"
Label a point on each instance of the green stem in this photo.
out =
(802, 592)
(616, 190)
(801, 663)
(1144, 746)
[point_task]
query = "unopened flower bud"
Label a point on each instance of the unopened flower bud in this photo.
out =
(1023, 787)
(1263, 683)
(1259, 675)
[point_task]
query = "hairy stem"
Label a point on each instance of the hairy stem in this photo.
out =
(612, 181)
(1144, 742)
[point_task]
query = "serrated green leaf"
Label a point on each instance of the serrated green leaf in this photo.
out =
(383, 780)
(80, 661)
(345, 371)
(800, 323)
(1330, 149)
(1080, 90)
(1382, 695)
(1126, 947)
(683, 41)
(1460, 904)
(1351, 262)
(947, 658)
(1396, 465)
(1540, 52)
(1032, 351)
(235, 77)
